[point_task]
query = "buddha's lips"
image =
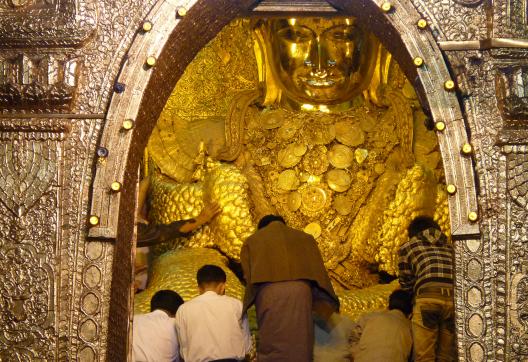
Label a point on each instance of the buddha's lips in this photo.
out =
(321, 82)
(328, 79)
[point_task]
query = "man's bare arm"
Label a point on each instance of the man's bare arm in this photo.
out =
(207, 214)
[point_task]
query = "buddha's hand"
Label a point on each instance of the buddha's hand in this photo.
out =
(209, 211)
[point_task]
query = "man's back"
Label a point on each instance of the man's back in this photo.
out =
(279, 253)
(154, 338)
(385, 336)
(426, 258)
(210, 327)
(289, 250)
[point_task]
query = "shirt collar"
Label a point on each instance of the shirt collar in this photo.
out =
(398, 312)
(160, 312)
(209, 293)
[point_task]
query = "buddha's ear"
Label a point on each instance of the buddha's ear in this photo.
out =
(262, 49)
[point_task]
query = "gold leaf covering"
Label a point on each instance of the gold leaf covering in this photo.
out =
(350, 177)
(176, 270)
(201, 99)
(224, 184)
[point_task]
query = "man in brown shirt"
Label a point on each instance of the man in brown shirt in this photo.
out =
(284, 270)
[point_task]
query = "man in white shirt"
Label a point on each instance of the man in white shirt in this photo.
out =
(211, 326)
(386, 335)
(154, 333)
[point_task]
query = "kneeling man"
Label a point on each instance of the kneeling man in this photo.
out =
(212, 326)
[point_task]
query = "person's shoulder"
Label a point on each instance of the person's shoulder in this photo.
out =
(299, 234)
(234, 302)
(138, 318)
(411, 244)
(255, 237)
(191, 302)
(231, 299)
(373, 315)
(182, 309)
(250, 239)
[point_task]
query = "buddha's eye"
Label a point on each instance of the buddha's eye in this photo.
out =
(297, 34)
(341, 33)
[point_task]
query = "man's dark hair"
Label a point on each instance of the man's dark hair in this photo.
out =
(210, 274)
(266, 220)
(167, 300)
(401, 300)
(420, 224)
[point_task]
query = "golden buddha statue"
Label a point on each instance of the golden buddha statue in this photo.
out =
(311, 119)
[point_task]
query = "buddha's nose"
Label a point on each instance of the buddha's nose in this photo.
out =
(319, 65)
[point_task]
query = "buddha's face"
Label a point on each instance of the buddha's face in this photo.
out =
(320, 61)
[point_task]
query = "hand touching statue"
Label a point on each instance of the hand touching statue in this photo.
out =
(209, 211)
(150, 234)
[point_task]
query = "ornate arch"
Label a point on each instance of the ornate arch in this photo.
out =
(175, 30)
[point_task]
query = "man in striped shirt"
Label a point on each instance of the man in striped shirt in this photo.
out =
(426, 268)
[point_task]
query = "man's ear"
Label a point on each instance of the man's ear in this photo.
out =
(201, 289)
(221, 288)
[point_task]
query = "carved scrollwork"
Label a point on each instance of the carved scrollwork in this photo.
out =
(60, 22)
(26, 301)
(518, 174)
(519, 314)
(30, 160)
(29, 163)
(24, 290)
(453, 19)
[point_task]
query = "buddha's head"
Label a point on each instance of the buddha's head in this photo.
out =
(316, 60)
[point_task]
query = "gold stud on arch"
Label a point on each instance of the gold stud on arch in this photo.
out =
(386, 7)
(451, 189)
(467, 149)
(116, 186)
(449, 85)
(93, 220)
(151, 61)
(147, 26)
(440, 126)
(182, 12)
(473, 216)
(128, 124)
(422, 24)
(418, 62)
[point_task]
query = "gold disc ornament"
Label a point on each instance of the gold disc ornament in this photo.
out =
(313, 229)
(340, 156)
(270, 119)
(294, 201)
(343, 205)
(291, 155)
(314, 199)
(349, 134)
(289, 128)
(318, 133)
(315, 161)
(288, 180)
(338, 180)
